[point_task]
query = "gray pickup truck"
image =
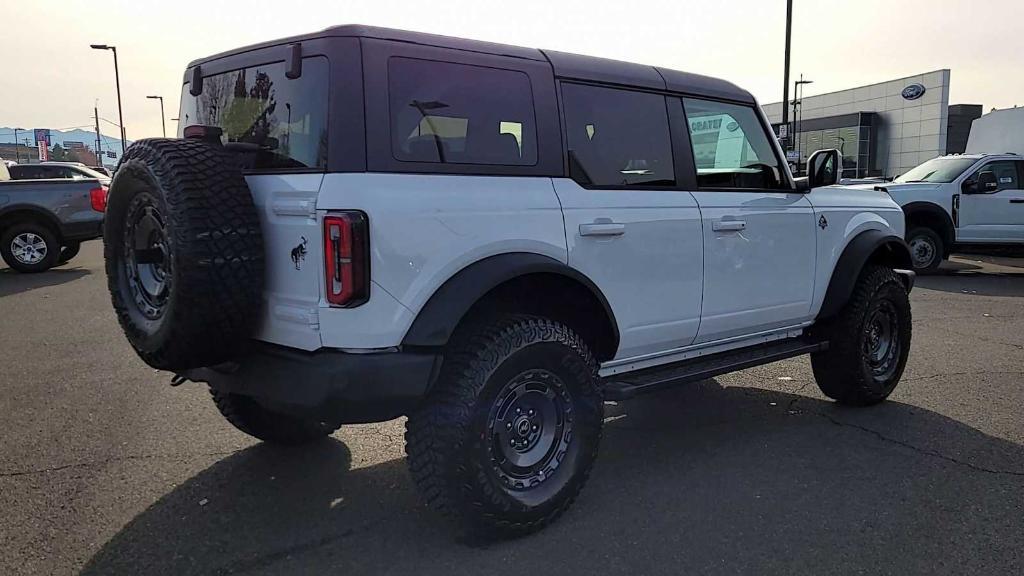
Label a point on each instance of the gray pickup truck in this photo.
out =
(43, 222)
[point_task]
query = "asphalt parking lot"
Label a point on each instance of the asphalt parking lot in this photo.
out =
(106, 469)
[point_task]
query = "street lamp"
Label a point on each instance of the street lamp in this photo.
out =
(117, 80)
(797, 123)
(17, 154)
(162, 123)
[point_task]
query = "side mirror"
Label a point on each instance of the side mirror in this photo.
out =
(987, 182)
(823, 168)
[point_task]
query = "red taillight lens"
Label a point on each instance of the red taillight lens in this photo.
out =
(98, 199)
(346, 258)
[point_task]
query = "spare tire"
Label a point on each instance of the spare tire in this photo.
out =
(183, 252)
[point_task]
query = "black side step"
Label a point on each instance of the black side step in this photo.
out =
(624, 386)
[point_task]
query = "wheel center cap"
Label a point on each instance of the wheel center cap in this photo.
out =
(522, 426)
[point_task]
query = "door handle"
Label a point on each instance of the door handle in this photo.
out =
(1016, 200)
(728, 225)
(602, 229)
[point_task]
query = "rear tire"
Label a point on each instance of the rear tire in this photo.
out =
(506, 439)
(869, 341)
(29, 247)
(268, 425)
(926, 249)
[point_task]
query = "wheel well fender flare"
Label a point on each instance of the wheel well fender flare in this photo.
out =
(437, 320)
(15, 212)
(932, 210)
(869, 245)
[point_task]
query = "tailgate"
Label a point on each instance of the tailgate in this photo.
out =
(292, 245)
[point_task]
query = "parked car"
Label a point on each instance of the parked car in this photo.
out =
(960, 200)
(491, 240)
(46, 170)
(43, 223)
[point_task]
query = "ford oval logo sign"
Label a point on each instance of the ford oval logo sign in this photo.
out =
(913, 92)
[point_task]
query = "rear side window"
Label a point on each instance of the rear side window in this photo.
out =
(284, 119)
(617, 137)
(460, 114)
(730, 146)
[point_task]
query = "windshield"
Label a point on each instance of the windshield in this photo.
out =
(284, 119)
(938, 170)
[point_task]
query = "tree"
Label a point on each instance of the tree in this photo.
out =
(59, 154)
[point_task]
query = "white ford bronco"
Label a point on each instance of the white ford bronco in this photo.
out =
(960, 200)
(361, 224)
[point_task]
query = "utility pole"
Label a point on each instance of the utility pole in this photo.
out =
(785, 73)
(96, 114)
(163, 124)
(117, 81)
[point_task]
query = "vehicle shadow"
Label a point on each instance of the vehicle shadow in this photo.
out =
(13, 282)
(969, 278)
(704, 479)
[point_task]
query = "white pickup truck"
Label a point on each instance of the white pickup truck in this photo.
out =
(969, 199)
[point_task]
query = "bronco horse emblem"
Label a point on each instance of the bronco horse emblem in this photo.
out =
(299, 254)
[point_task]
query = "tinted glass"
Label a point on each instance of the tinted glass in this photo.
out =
(617, 137)
(285, 120)
(730, 146)
(460, 114)
(937, 170)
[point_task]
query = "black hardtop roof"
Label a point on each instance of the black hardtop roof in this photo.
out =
(565, 65)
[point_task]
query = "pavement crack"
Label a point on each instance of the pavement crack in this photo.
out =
(918, 449)
(111, 460)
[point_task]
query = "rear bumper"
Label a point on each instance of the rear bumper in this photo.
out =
(349, 388)
(82, 231)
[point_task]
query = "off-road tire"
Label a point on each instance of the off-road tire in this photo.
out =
(69, 251)
(844, 371)
(38, 230)
(932, 243)
(268, 425)
(450, 439)
(184, 253)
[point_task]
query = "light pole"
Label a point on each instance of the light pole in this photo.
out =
(163, 124)
(117, 81)
(785, 70)
(17, 154)
(798, 86)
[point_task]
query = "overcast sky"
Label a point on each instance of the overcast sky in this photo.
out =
(50, 77)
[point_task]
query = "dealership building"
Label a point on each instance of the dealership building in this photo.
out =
(883, 129)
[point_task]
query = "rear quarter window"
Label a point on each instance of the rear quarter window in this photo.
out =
(284, 119)
(460, 114)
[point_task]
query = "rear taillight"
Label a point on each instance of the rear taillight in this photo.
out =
(346, 258)
(98, 199)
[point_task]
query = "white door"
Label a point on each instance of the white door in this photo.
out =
(626, 229)
(995, 213)
(759, 235)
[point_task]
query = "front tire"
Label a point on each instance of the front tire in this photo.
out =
(926, 249)
(506, 439)
(869, 341)
(268, 425)
(29, 247)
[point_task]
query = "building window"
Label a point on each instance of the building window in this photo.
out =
(730, 147)
(460, 114)
(617, 137)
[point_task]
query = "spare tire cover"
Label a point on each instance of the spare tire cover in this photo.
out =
(184, 253)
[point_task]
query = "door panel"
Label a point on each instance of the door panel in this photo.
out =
(759, 261)
(643, 249)
(996, 216)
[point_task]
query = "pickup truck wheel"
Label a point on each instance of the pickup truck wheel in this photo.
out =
(507, 437)
(926, 249)
(29, 247)
(258, 421)
(183, 252)
(868, 342)
(69, 251)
